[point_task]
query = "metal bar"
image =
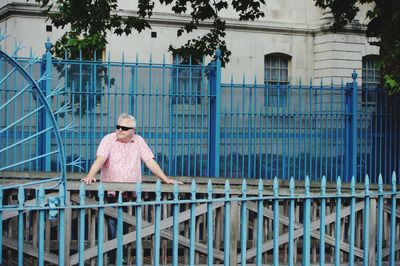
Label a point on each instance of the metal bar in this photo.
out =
(100, 226)
(227, 223)
(138, 212)
(276, 222)
(175, 232)
(41, 228)
(192, 233)
(366, 222)
(322, 222)
(260, 207)
(379, 225)
(82, 225)
(243, 225)
(157, 219)
(392, 245)
(337, 221)
(352, 220)
(307, 217)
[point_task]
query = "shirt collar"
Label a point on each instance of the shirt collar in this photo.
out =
(132, 139)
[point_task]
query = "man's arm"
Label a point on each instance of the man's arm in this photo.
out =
(96, 166)
(156, 170)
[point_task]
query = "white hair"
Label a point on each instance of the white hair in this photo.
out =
(128, 116)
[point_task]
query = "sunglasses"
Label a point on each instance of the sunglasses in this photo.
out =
(118, 127)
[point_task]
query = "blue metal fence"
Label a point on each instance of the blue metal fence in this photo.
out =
(198, 126)
(208, 223)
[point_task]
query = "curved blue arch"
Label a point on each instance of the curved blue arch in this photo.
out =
(36, 89)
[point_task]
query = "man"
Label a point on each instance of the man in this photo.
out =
(119, 157)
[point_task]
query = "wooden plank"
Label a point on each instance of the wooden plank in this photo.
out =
(388, 210)
(386, 251)
(149, 230)
(299, 230)
(11, 214)
(30, 250)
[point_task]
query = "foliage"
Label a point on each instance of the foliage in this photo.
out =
(384, 26)
(89, 21)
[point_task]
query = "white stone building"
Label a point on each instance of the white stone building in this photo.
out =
(293, 36)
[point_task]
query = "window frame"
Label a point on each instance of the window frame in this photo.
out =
(184, 80)
(368, 65)
(279, 91)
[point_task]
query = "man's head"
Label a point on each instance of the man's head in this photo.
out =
(125, 127)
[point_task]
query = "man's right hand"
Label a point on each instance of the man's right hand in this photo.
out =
(89, 179)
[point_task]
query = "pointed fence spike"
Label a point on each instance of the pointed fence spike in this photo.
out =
(119, 200)
(61, 192)
(366, 182)
(394, 179)
(209, 186)
(244, 187)
(138, 191)
(176, 191)
(209, 190)
(339, 185)
(101, 193)
(291, 186)
(276, 186)
(323, 183)
(353, 185)
(21, 196)
(307, 185)
(158, 190)
(82, 191)
(193, 189)
(227, 188)
(380, 183)
(41, 200)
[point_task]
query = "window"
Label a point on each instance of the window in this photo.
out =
(370, 77)
(276, 79)
(186, 82)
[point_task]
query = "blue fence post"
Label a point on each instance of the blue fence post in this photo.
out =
(175, 227)
(227, 222)
(209, 224)
(81, 248)
(306, 223)
(1, 223)
(392, 244)
(351, 129)
(276, 221)
(138, 212)
(259, 224)
(192, 223)
(379, 226)
(243, 225)
(322, 221)
(366, 222)
(337, 221)
(215, 116)
(41, 228)
(100, 226)
(44, 118)
(21, 202)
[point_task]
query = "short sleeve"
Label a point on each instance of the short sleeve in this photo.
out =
(145, 151)
(104, 147)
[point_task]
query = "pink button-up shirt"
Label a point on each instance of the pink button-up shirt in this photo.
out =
(123, 159)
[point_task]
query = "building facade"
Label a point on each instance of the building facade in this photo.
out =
(293, 39)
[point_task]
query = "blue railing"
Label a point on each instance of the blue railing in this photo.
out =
(198, 126)
(207, 223)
